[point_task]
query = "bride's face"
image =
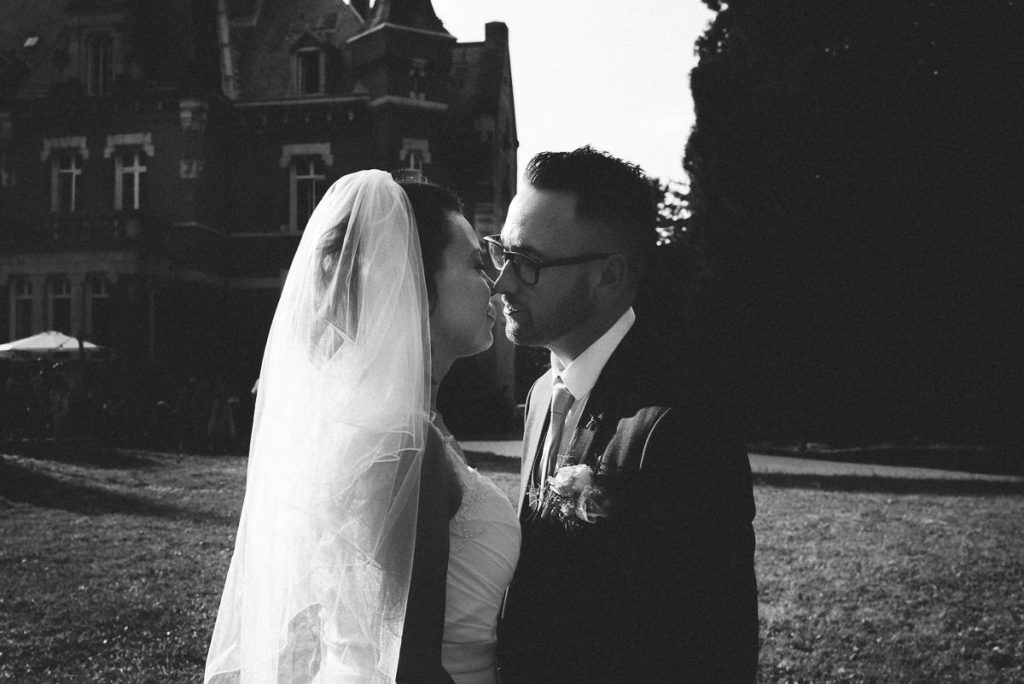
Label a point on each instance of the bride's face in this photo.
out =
(462, 317)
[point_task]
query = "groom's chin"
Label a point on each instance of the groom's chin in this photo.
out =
(515, 334)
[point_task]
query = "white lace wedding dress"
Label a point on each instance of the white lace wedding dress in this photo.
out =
(484, 550)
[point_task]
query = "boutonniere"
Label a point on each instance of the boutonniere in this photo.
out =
(575, 495)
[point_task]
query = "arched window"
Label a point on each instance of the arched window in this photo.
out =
(21, 309)
(98, 312)
(59, 317)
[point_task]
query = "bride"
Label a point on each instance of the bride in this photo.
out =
(367, 550)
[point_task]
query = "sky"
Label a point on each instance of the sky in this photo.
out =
(611, 74)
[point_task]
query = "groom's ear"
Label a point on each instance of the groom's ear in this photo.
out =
(614, 273)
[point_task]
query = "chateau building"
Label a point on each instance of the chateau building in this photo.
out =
(158, 160)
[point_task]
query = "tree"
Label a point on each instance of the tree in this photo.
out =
(855, 185)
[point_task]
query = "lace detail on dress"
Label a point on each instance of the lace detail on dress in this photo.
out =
(467, 523)
(484, 547)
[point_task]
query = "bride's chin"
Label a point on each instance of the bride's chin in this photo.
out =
(487, 342)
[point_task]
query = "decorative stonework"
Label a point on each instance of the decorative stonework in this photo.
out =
(191, 168)
(408, 102)
(193, 115)
(322, 150)
(415, 147)
(73, 142)
(143, 140)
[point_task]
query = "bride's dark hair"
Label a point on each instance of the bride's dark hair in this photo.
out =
(431, 205)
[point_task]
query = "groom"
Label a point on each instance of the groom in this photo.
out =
(637, 560)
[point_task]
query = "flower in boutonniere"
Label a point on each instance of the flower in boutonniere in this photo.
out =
(592, 504)
(571, 479)
(575, 495)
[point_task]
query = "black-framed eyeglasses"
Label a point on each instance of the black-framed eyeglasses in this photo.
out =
(528, 268)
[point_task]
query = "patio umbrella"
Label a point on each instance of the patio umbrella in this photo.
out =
(48, 342)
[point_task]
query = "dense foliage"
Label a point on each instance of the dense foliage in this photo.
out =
(856, 189)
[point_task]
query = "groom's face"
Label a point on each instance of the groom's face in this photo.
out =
(543, 224)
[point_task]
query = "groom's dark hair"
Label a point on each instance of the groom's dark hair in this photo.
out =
(614, 193)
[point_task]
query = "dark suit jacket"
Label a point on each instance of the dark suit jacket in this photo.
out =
(664, 588)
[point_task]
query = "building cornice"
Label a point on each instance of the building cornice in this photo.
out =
(344, 99)
(198, 226)
(409, 102)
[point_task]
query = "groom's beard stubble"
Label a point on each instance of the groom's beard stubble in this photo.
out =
(530, 327)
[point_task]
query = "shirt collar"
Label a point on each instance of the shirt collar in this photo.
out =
(580, 375)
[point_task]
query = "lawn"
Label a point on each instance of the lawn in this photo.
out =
(111, 567)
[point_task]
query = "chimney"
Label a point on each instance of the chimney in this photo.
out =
(496, 32)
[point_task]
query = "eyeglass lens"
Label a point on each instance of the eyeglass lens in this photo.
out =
(524, 270)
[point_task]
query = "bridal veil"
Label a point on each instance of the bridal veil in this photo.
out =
(319, 579)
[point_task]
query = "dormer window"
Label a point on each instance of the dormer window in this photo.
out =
(99, 54)
(309, 71)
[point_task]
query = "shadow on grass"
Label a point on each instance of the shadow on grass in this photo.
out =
(25, 485)
(967, 459)
(79, 453)
(888, 485)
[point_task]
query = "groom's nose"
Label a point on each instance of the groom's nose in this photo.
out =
(504, 282)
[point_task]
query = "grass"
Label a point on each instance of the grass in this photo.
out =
(111, 566)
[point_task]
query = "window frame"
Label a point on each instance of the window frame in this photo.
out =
(315, 176)
(63, 295)
(99, 63)
(97, 290)
(22, 297)
(303, 57)
(60, 174)
(139, 169)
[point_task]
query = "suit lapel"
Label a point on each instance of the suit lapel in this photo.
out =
(598, 422)
(536, 416)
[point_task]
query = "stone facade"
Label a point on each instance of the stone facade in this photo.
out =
(158, 160)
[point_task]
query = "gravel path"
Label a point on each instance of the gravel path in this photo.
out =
(765, 464)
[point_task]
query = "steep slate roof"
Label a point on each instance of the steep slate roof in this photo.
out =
(414, 13)
(29, 68)
(263, 51)
(32, 71)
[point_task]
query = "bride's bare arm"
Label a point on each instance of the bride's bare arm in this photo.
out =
(420, 657)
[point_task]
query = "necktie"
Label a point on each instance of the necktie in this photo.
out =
(561, 400)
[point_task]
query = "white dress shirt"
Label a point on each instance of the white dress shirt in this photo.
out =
(580, 375)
